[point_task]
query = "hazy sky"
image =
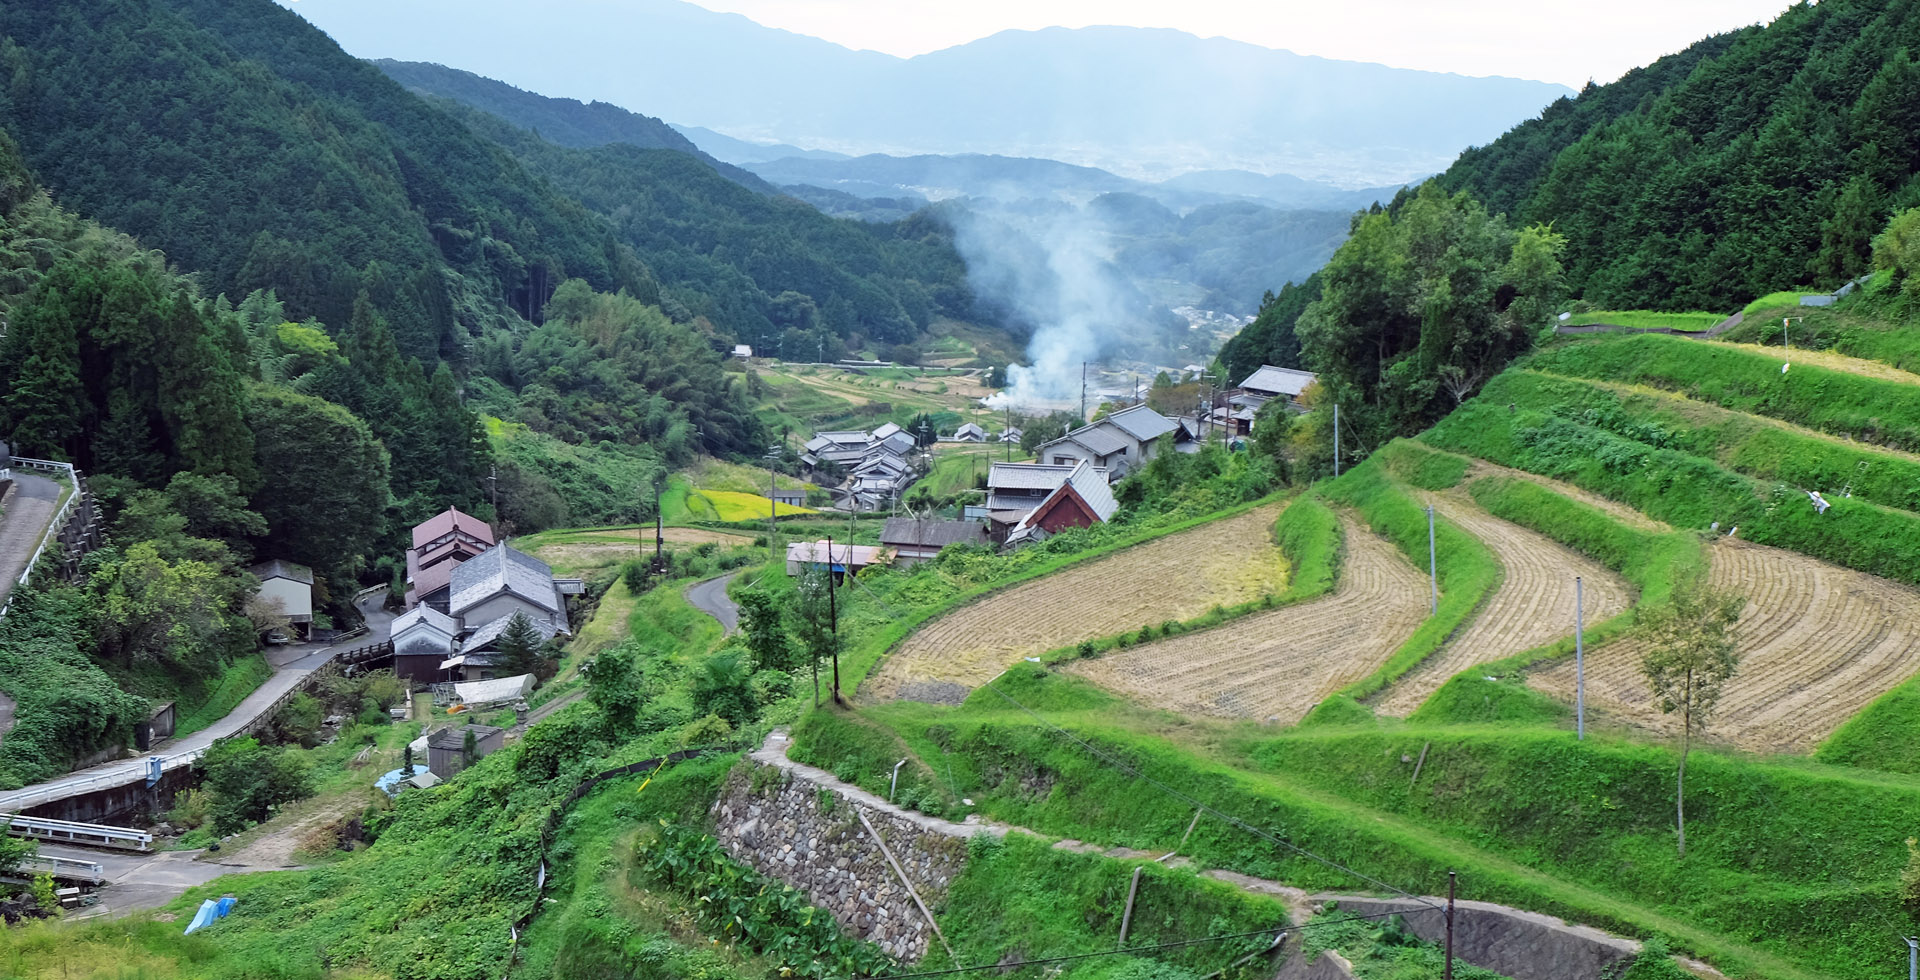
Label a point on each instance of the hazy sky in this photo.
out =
(1549, 40)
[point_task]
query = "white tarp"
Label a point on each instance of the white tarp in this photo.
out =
(451, 662)
(494, 691)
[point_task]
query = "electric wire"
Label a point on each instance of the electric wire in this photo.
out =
(1230, 819)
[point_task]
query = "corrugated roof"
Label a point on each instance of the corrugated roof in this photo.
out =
(494, 691)
(816, 552)
(282, 569)
(1087, 481)
(502, 569)
(448, 521)
(1142, 423)
(456, 738)
(903, 532)
(1026, 476)
(1284, 381)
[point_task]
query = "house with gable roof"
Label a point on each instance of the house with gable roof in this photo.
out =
(440, 543)
(422, 637)
(1118, 443)
(1083, 499)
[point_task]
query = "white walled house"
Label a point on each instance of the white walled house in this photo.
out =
(1117, 443)
(290, 585)
(500, 582)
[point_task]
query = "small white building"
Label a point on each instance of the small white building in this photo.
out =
(742, 351)
(291, 586)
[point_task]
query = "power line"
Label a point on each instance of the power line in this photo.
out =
(1229, 818)
(1130, 950)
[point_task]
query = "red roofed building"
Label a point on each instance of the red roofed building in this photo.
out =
(440, 543)
(1083, 499)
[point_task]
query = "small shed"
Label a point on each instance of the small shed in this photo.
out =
(742, 351)
(446, 749)
(792, 498)
(840, 558)
(914, 540)
(289, 584)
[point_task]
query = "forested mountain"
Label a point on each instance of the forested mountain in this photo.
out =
(252, 150)
(766, 268)
(1149, 102)
(567, 122)
(1752, 161)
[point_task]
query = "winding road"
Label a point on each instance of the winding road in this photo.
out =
(711, 597)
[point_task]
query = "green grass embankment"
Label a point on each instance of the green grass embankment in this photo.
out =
(1644, 319)
(1839, 403)
(1790, 870)
(219, 696)
(1606, 455)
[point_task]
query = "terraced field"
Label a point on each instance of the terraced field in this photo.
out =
(1276, 665)
(1533, 606)
(1180, 576)
(1613, 508)
(1817, 642)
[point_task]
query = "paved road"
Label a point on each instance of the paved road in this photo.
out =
(24, 524)
(142, 881)
(710, 597)
(291, 664)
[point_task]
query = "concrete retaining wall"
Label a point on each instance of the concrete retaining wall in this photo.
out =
(812, 838)
(1521, 945)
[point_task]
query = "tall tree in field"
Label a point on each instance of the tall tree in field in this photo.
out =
(766, 635)
(1690, 655)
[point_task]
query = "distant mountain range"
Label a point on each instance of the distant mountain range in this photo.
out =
(1138, 102)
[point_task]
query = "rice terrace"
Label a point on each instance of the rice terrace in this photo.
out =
(959, 497)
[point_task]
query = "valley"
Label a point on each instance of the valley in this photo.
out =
(1088, 503)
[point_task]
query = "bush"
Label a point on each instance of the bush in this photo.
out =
(244, 781)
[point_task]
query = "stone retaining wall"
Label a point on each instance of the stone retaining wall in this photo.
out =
(812, 838)
(1510, 942)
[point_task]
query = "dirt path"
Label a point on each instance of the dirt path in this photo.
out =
(1277, 665)
(272, 844)
(1817, 643)
(1180, 576)
(1532, 607)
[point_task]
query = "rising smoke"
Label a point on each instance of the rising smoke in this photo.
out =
(1050, 268)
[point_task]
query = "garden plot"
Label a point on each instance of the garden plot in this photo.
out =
(1276, 665)
(1533, 606)
(1180, 576)
(1817, 642)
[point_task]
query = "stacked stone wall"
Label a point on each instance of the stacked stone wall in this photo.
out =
(812, 838)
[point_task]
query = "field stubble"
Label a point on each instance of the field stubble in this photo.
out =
(1276, 665)
(1533, 606)
(1817, 643)
(1180, 576)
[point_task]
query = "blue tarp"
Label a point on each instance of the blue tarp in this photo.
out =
(210, 911)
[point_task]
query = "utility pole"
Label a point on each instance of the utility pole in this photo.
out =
(1579, 663)
(1083, 393)
(1336, 439)
(493, 483)
(1451, 878)
(833, 613)
(659, 524)
(1433, 564)
(773, 453)
(1913, 958)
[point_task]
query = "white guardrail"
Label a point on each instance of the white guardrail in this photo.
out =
(54, 526)
(69, 869)
(88, 834)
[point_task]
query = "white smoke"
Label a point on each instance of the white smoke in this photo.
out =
(1052, 265)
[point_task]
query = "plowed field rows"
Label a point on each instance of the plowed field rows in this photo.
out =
(1816, 642)
(1533, 606)
(1277, 665)
(1180, 576)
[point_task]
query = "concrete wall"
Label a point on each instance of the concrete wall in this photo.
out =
(296, 599)
(812, 838)
(118, 804)
(1521, 945)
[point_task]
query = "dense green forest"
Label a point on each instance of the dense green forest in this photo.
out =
(1752, 161)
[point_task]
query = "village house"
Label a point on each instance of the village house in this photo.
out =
(1083, 499)
(970, 433)
(914, 540)
(791, 498)
(1013, 435)
(440, 543)
(291, 587)
(1117, 443)
(422, 637)
(1269, 383)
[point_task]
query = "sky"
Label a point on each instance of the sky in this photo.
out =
(1565, 41)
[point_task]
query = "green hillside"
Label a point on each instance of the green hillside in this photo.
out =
(1752, 161)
